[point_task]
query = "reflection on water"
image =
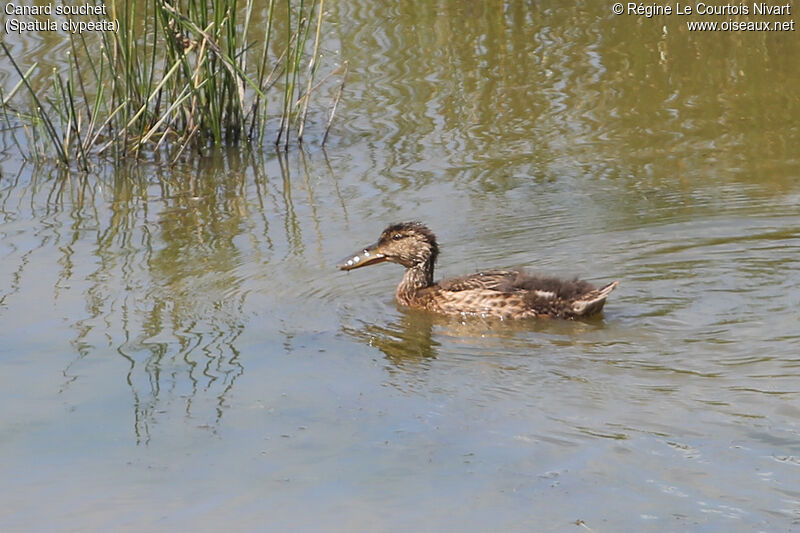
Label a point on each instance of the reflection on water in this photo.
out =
(404, 342)
(410, 339)
(181, 336)
(162, 263)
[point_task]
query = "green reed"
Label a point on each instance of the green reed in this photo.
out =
(175, 77)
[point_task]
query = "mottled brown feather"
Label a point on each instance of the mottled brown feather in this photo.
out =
(499, 293)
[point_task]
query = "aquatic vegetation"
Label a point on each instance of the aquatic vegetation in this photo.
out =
(171, 78)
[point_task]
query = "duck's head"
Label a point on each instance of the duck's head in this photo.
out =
(410, 244)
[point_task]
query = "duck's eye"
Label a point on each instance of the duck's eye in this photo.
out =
(396, 237)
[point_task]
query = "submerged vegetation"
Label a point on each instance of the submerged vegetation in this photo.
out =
(175, 77)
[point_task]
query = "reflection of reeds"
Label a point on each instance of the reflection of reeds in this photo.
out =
(161, 269)
(190, 75)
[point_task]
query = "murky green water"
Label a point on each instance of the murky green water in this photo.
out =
(178, 351)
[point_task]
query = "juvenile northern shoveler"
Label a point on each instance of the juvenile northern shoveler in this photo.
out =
(498, 293)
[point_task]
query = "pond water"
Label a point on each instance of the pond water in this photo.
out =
(178, 350)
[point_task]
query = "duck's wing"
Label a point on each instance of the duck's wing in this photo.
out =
(497, 280)
(515, 293)
(592, 302)
(546, 287)
(519, 293)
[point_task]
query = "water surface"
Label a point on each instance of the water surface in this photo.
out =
(179, 352)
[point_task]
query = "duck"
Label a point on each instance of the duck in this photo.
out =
(504, 294)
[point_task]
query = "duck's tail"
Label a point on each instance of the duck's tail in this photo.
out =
(593, 302)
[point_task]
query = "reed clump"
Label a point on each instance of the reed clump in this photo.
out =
(176, 75)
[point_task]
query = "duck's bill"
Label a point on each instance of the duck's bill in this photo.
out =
(367, 256)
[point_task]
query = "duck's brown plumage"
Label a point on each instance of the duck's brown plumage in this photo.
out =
(499, 293)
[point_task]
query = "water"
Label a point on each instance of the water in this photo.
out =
(179, 352)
